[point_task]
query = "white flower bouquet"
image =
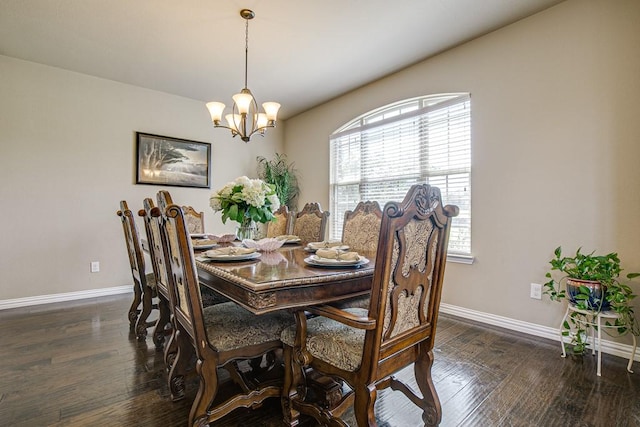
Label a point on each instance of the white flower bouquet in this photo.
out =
(244, 200)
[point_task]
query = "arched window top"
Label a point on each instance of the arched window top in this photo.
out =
(399, 108)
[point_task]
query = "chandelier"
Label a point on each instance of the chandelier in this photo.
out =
(245, 119)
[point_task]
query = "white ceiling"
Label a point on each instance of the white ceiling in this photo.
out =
(301, 53)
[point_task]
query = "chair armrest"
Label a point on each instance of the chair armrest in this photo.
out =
(343, 317)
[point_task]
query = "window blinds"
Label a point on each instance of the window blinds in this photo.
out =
(424, 140)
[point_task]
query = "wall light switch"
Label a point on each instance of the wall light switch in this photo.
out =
(95, 266)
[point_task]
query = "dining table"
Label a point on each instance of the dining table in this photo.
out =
(282, 279)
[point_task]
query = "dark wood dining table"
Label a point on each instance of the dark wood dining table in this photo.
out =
(281, 279)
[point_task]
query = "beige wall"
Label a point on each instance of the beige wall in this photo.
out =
(555, 146)
(67, 147)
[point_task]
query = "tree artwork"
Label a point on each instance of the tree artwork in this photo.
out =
(172, 161)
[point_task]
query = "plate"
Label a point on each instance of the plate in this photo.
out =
(340, 248)
(239, 257)
(198, 235)
(197, 247)
(313, 260)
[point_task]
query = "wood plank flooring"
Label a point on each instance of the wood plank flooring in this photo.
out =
(76, 364)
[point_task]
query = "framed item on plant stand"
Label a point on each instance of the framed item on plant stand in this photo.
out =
(163, 160)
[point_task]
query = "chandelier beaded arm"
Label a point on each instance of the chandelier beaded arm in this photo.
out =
(245, 120)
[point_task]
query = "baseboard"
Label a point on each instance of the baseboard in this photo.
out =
(609, 347)
(68, 296)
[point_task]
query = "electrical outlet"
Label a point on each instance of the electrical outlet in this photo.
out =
(536, 291)
(95, 266)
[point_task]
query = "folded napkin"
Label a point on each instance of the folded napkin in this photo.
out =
(337, 254)
(288, 237)
(225, 238)
(229, 250)
(203, 242)
(324, 245)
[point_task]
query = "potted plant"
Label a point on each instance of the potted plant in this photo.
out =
(282, 175)
(591, 283)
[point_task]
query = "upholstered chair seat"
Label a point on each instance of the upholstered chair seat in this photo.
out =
(226, 326)
(331, 341)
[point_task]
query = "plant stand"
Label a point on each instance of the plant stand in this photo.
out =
(593, 320)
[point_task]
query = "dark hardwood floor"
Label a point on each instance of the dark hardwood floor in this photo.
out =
(77, 364)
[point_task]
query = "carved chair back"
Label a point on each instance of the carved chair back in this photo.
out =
(143, 284)
(282, 224)
(183, 281)
(409, 271)
(194, 220)
(160, 269)
(310, 223)
(361, 227)
(132, 239)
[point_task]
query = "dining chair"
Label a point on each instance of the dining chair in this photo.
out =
(310, 223)
(164, 326)
(365, 348)
(360, 231)
(143, 283)
(220, 336)
(282, 224)
(194, 219)
(361, 226)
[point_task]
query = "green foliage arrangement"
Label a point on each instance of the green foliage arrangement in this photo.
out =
(282, 175)
(604, 269)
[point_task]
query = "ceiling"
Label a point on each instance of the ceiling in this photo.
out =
(301, 53)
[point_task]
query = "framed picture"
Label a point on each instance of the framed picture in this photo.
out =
(162, 160)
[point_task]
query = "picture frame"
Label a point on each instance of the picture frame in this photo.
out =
(164, 160)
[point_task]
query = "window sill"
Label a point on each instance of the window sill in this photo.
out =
(460, 259)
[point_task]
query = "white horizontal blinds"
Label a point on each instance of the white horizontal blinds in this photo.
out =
(448, 138)
(420, 140)
(344, 179)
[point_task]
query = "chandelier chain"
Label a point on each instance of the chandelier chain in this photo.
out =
(246, 51)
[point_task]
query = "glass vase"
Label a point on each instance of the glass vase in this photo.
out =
(246, 229)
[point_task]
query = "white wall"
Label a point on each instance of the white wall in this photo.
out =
(67, 158)
(555, 146)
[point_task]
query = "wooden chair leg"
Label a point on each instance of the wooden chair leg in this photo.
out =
(207, 390)
(133, 310)
(159, 332)
(292, 382)
(431, 409)
(171, 347)
(147, 306)
(365, 399)
(178, 370)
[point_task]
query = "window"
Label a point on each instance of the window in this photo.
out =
(379, 155)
